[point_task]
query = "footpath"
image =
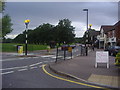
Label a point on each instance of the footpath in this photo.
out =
(83, 68)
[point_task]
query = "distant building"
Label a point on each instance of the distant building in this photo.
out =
(109, 35)
(113, 36)
(103, 35)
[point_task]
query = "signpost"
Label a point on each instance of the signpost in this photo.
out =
(26, 23)
(102, 57)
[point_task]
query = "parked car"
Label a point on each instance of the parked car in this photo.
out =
(113, 50)
(65, 47)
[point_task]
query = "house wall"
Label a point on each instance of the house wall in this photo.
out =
(117, 32)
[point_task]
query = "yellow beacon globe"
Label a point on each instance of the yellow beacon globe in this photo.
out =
(27, 21)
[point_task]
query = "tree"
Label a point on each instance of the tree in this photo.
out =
(2, 6)
(6, 21)
(6, 25)
(65, 32)
(47, 34)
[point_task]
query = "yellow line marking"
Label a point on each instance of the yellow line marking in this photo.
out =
(43, 67)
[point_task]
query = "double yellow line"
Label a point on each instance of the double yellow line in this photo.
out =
(43, 67)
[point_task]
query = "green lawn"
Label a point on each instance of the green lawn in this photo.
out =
(12, 47)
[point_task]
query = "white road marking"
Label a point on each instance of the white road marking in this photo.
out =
(13, 59)
(14, 68)
(40, 66)
(21, 58)
(53, 57)
(52, 61)
(45, 61)
(22, 69)
(35, 57)
(33, 67)
(35, 64)
(48, 56)
(7, 72)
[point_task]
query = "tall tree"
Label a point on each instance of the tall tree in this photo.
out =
(6, 25)
(65, 31)
(46, 33)
(2, 6)
(6, 22)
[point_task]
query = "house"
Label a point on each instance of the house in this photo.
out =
(113, 35)
(103, 35)
(91, 36)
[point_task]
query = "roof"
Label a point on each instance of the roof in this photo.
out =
(106, 28)
(117, 24)
(94, 33)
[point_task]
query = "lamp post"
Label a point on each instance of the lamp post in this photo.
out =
(86, 40)
(26, 23)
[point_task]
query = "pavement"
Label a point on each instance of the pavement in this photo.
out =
(6, 55)
(83, 68)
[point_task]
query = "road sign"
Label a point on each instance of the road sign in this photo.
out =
(20, 49)
(102, 57)
(70, 49)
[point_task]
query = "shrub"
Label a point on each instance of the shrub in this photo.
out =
(117, 59)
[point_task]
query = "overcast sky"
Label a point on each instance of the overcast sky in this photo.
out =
(100, 13)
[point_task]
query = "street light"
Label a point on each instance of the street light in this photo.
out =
(26, 23)
(86, 10)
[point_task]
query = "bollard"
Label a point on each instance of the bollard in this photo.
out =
(48, 49)
(56, 54)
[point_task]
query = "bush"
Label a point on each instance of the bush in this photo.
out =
(117, 59)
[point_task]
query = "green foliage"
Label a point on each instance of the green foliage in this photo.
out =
(12, 47)
(79, 40)
(6, 25)
(117, 59)
(65, 32)
(2, 6)
(46, 33)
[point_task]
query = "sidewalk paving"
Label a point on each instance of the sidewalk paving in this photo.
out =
(83, 67)
(6, 55)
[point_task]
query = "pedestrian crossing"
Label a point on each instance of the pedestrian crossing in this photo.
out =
(54, 56)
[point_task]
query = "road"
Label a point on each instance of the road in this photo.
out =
(27, 72)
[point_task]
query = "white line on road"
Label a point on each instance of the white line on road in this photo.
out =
(14, 68)
(33, 67)
(35, 57)
(40, 66)
(46, 61)
(22, 69)
(7, 72)
(48, 56)
(13, 59)
(35, 64)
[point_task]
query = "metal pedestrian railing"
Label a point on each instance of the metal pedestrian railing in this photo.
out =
(70, 52)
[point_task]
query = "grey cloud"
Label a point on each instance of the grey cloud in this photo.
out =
(38, 12)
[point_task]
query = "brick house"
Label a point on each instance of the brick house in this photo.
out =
(103, 35)
(113, 35)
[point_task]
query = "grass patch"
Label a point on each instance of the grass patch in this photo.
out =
(12, 47)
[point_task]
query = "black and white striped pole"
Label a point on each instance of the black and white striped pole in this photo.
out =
(26, 23)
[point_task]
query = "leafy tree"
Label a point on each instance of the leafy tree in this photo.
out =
(47, 33)
(6, 25)
(6, 21)
(65, 32)
(2, 6)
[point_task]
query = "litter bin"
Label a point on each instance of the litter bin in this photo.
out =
(19, 49)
